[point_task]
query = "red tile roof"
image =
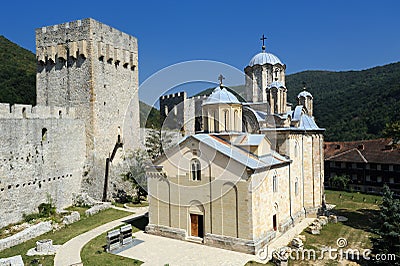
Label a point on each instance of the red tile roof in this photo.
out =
(365, 151)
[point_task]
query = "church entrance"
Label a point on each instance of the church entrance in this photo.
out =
(197, 225)
(274, 223)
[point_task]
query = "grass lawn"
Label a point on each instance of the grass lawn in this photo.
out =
(63, 235)
(93, 252)
(361, 211)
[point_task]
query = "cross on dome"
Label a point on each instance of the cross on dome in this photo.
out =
(221, 78)
(263, 38)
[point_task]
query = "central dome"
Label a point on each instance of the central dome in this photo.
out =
(221, 95)
(264, 58)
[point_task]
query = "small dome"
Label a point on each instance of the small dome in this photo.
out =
(221, 96)
(276, 84)
(304, 94)
(264, 58)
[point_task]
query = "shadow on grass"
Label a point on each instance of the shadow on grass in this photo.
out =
(364, 219)
(138, 223)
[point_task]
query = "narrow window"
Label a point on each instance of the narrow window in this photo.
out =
(44, 134)
(296, 187)
(195, 170)
(215, 122)
(24, 112)
(296, 149)
(235, 122)
(226, 120)
(274, 184)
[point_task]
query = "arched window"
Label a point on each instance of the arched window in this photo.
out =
(24, 112)
(166, 110)
(296, 187)
(235, 120)
(215, 122)
(226, 117)
(274, 184)
(195, 168)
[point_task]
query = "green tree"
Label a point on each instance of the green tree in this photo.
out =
(388, 240)
(339, 181)
(392, 130)
(137, 162)
(156, 142)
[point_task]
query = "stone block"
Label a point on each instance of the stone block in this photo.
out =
(72, 218)
(12, 261)
(97, 208)
(297, 243)
(323, 220)
(333, 219)
(29, 233)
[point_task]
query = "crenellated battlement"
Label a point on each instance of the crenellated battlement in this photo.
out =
(200, 97)
(181, 94)
(26, 111)
(85, 38)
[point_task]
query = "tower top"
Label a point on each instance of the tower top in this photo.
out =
(263, 38)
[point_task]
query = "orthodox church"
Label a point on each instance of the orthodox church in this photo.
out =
(254, 170)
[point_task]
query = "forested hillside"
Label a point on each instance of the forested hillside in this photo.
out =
(351, 105)
(17, 73)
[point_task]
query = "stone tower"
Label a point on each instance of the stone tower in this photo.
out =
(92, 67)
(265, 81)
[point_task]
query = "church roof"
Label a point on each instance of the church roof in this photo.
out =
(380, 151)
(238, 154)
(221, 95)
(264, 58)
(304, 94)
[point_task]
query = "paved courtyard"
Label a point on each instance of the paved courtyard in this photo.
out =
(158, 251)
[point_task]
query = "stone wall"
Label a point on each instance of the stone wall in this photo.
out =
(40, 157)
(29, 233)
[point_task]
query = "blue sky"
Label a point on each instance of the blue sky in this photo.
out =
(324, 35)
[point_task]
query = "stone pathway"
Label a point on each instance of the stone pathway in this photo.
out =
(70, 252)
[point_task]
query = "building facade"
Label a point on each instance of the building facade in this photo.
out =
(254, 170)
(369, 164)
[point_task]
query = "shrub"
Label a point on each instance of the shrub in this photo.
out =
(46, 210)
(30, 217)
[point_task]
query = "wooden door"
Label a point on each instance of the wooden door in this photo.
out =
(194, 220)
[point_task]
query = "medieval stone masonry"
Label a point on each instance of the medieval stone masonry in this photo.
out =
(72, 141)
(245, 172)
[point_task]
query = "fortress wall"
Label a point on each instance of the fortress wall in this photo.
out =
(19, 111)
(39, 157)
